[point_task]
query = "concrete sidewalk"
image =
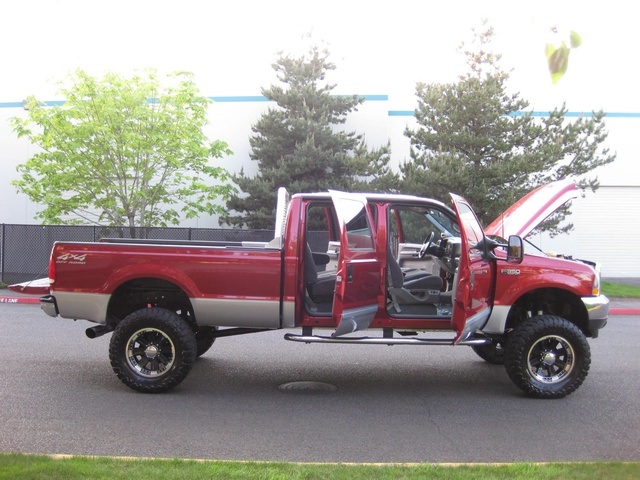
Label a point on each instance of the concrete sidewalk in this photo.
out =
(618, 306)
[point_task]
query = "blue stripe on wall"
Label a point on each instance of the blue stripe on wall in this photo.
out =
(49, 103)
(401, 113)
(367, 98)
(219, 99)
(261, 98)
(236, 99)
(410, 113)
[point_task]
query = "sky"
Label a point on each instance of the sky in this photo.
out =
(380, 47)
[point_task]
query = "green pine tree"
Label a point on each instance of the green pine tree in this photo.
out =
(299, 144)
(470, 140)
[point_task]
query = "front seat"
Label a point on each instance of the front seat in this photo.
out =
(416, 290)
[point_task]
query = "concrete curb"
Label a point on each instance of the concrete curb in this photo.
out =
(36, 301)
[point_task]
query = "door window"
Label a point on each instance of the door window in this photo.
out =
(472, 228)
(358, 230)
(415, 224)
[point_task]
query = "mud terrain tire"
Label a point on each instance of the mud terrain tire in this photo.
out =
(547, 357)
(152, 350)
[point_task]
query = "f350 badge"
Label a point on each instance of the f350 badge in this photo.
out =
(510, 271)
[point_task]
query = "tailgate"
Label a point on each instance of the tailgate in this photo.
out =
(33, 287)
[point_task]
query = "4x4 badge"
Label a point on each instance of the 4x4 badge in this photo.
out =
(73, 259)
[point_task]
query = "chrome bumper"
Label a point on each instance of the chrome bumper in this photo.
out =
(598, 310)
(49, 306)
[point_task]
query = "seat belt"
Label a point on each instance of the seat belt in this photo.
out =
(391, 290)
(311, 306)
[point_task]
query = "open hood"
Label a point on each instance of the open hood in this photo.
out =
(531, 210)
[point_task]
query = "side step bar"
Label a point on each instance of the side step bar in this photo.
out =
(384, 341)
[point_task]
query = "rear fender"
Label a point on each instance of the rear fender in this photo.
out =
(159, 272)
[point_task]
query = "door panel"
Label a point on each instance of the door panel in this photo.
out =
(473, 302)
(358, 280)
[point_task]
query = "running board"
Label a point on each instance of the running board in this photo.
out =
(471, 342)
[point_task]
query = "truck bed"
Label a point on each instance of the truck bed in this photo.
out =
(227, 283)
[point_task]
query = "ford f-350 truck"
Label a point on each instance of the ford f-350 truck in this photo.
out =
(343, 268)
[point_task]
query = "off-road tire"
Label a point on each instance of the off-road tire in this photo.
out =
(547, 357)
(152, 350)
(492, 353)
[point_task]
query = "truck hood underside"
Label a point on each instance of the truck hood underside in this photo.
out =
(532, 209)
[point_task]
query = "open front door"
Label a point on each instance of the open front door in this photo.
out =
(472, 303)
(358, 279)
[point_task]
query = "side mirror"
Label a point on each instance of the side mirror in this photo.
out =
(515, 250)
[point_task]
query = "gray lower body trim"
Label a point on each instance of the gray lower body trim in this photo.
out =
(237, 313)
(85, 306)
(209, 312)
(288, 314)
(497, 321)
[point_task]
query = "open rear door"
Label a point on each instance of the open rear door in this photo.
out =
(473, 302)
(358, 279)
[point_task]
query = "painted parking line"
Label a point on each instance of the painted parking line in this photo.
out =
(29, 300)
(624, 311)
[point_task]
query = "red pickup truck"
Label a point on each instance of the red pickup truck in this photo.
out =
(399, 267)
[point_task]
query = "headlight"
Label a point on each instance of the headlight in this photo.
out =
(595, 291)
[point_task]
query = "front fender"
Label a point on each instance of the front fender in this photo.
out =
(515, 281)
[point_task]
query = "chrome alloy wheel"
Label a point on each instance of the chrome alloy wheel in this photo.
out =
(150, 352)
(550, 359)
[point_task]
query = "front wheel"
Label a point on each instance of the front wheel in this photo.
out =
(492, 353)
(152, 350)
(547, 357)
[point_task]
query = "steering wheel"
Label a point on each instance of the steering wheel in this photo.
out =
(425, 246)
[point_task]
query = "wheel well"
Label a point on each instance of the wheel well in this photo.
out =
(553, 301)
(148, 292)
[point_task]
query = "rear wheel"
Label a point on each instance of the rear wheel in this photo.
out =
(547, 357)
(152, 350)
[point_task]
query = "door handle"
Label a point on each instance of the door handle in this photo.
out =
(350, 273)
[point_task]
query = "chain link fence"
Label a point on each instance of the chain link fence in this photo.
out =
(25, 249)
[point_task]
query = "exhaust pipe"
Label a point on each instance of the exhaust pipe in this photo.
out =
(99, 330)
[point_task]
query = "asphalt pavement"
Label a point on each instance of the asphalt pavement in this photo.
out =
(58, 395)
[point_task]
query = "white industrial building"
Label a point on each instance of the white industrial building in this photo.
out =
(380, 52)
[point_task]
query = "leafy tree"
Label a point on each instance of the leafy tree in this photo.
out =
(122, 152)
(473, 139)
(298, 146)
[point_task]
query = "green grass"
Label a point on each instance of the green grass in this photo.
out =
(19, 466)
(619, 290)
